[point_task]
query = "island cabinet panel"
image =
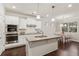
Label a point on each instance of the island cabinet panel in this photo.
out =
(42, 47)
(17, 51)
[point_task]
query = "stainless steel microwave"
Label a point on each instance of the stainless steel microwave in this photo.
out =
(11, 28)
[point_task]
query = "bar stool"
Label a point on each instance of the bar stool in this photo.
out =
(67, 42)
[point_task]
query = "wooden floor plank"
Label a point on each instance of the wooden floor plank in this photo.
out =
(67, 49)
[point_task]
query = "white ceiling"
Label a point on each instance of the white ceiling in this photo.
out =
(60, 10)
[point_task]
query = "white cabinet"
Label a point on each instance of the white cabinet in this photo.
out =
(34, 22)
(1, 10)
(41, 47)
(12, 20)
(22, 23)
(2, 34)
(22, 39)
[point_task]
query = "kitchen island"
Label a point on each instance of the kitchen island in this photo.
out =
(41, 45)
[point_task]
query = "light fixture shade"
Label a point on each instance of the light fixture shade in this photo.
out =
(65, 25)
(52, 19)
(70, 5)
(13, 7)
(38, 17)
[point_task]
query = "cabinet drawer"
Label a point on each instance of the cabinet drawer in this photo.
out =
(38, 43)
(52, 40)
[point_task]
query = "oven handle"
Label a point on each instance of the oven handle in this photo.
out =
(11, 35)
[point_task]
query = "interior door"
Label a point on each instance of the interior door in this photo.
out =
(2, 34)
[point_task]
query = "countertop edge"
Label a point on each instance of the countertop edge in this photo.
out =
(43, 39)
(8, 46)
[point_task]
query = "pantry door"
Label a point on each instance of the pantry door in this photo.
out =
(2, 34)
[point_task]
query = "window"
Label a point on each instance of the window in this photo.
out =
(65, 27)
(69, 27)
(73, 27)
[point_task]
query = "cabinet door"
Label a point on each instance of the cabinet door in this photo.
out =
(22, 23)
(2, 34)
(22, 39)
(12, 20)
(1, 9)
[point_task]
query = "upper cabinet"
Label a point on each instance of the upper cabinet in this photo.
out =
(22, 23)
(25, 23)
(29, 25)
(2, 13)
(33, 23)
(12, 20)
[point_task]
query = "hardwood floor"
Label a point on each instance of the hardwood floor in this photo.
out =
(67, 49)
(16, 51)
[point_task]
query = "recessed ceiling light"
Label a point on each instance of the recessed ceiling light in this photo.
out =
(53, 20)
(13, 7)
(37, 16)
(70, 5)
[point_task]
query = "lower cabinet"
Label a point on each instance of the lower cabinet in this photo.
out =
(17, 51)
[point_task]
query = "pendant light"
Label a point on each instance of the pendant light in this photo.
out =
(70, 5)
(53, 19)
(38, 15)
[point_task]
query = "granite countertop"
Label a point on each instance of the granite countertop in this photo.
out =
(33, 38)
(13, 45)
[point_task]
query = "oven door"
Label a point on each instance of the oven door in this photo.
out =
(11, 38)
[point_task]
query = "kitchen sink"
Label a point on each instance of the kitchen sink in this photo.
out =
(40, 36)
